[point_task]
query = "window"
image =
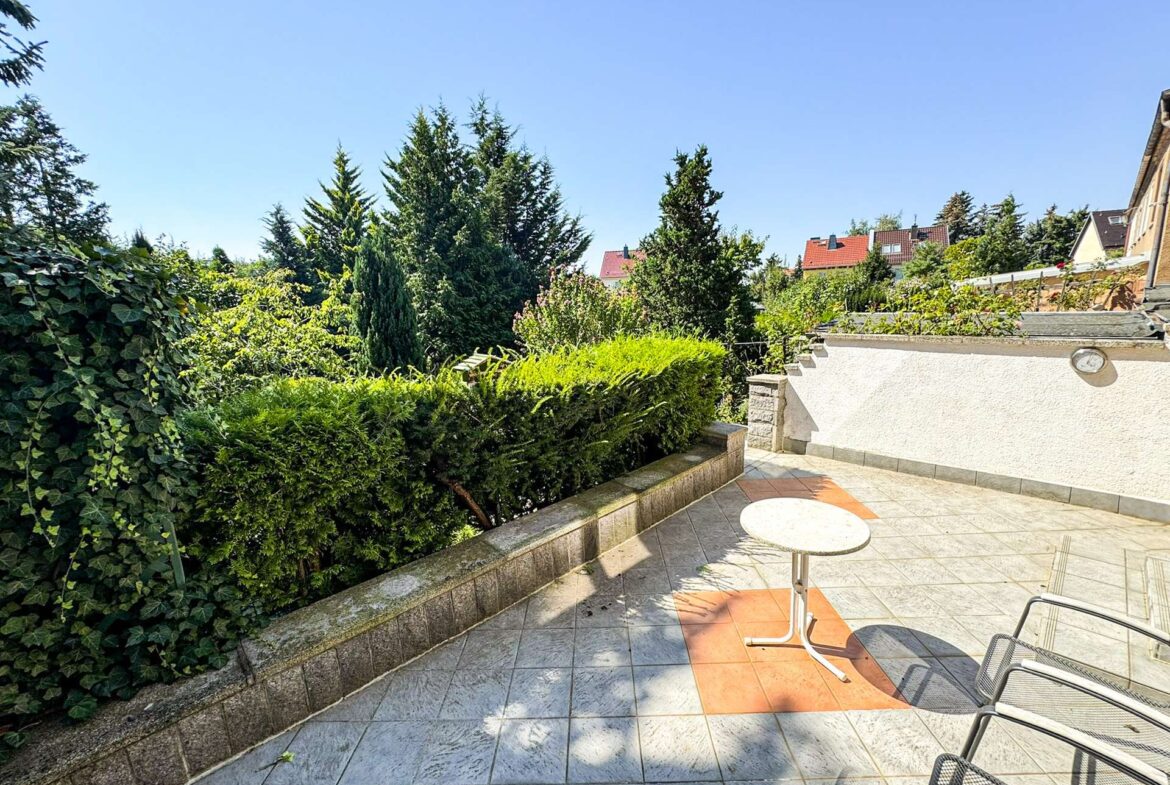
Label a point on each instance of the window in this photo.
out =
(891, 248)
(1117, 220)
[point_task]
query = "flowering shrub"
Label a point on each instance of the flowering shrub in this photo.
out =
(576, 310)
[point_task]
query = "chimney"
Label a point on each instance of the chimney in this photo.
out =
(832, 242)
(625, 252)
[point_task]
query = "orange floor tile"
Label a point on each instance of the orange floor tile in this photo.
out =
(737, 679)
(817, 487)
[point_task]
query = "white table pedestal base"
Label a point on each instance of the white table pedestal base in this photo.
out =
(799, 610)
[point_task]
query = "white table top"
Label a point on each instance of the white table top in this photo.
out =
(805, 526)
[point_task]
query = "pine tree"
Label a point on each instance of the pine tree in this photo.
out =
(221, 262)
(875, 268)
(335, 228)
(523, 205)
(463, 282)
(139, 241)
(385, 315)
(1001, 249)
(39, 187)
(1050, 239)
(17, 69)
(958, 215)
(286, 251)
(692, 278)
(798, 271)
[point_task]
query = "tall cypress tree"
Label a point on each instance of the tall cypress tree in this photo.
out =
(285, 250)
(385, 315)
(875, 267)
(463, 282)
(691, 278)
(523, 205)
(958, 215)
(335, 227)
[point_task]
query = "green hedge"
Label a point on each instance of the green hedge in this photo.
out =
(309, 486)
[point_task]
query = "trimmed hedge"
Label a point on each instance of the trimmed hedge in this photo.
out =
(309, 486)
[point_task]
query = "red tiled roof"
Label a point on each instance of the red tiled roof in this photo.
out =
(908, 238)
(615, 265)
(849, 251)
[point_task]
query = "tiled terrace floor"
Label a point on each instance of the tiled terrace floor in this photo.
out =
(630, 670)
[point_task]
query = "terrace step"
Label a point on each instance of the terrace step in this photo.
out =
(1157, 294)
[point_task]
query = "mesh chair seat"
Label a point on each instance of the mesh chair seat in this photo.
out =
(953, 770)
(1005, 651)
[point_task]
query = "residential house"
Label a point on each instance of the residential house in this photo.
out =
(897, 245)
(1147, 231)
(1102, 237)
(834, 254)
(616, 265)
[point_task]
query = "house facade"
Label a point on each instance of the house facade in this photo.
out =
(1102, 237)
(838, 254)
(616, 265)
(1147, 231)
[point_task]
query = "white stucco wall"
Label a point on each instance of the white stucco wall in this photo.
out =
(1009, 406)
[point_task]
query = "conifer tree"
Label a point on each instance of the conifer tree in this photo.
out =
(39, 187)
(875, 268)
(958, 215)
(286, 251)
(523, 204)
(23, 57)
(336, 226)
(798, 271)
(221, 262)
(692, 278)
(385, 315)
(1050, 239)
(1001, 249)
(139, 241)
(463, 282)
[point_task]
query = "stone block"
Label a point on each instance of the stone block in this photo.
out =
(1045, 490)
(759, 442)
(955, 474)
(464, 604)
(919, 468)
(204, 738)
(1148, 509)
(517, 579)
(997, 482)
(111, 770)
(251, 720)
(797, 446)
(820, 450)
(1098, 500)
(487, 594)
(157, 760)
(440, 618)
(879, 461)
(322, 676)
(413, 632)
(386, 650)
(849, 455)
(616, 527)
(544, 564)
(288, 700)
(355, 663)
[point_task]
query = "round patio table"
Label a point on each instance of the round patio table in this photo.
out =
(803, 527)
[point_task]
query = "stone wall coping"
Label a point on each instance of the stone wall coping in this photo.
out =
(483, 575)
(775, 379)
(999, 340)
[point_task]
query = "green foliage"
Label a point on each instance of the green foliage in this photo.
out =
(576, 310)
(874, 268)
(1001, 248)
(463, 282)
(959, 259)
(794, 312)
(927, 261)
(523, 205)
(694, 278)
(247, 331)
(286, 252)
(310, 486)
(385, 315)
(95, 598)
(941, 310)
(887, 222)
(1050, 239)
(958, 215)
(335, 228)
(769, 280)
(23, 57)
(39, 186)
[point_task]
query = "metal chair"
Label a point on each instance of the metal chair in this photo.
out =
(1008, 650)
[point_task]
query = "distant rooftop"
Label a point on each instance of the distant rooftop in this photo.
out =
(617, 264)
(834, 251)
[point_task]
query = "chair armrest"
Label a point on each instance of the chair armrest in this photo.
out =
(1114, 757)
(1097, 611)
(1091, 688)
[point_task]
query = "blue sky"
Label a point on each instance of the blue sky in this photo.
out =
(197, 117)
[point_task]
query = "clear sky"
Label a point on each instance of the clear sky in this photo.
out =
(197, 117)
